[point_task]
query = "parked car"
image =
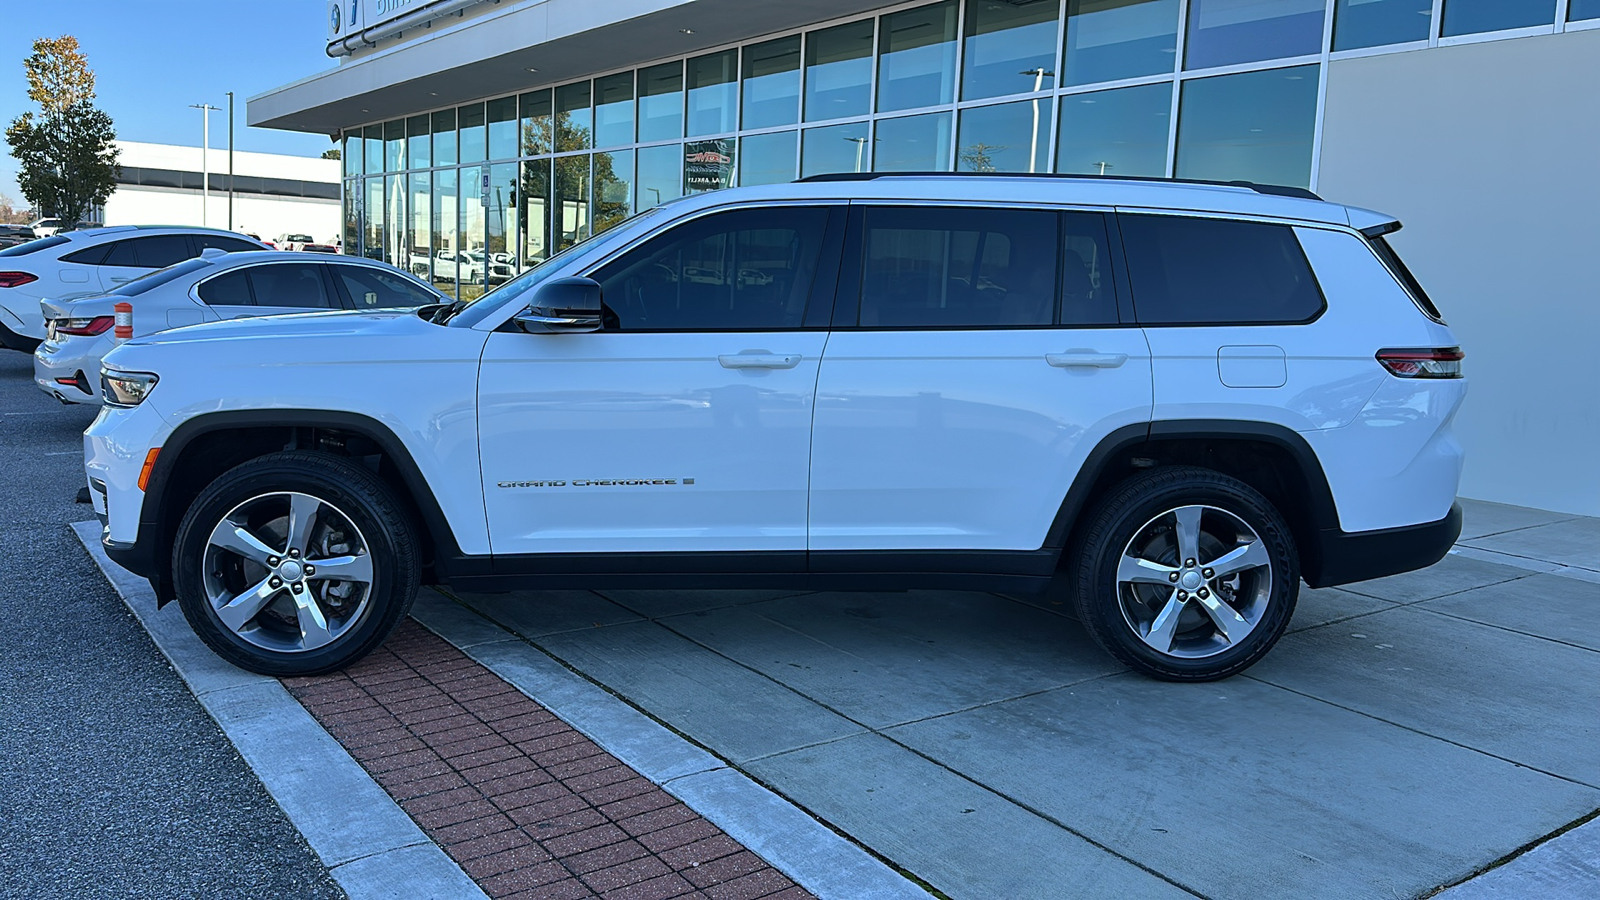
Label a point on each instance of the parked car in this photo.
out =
(12, 235)
(256, 237)
(84, 263)
(215, 286)
(46, 226)
(303, 243)
(475, 264)
(1174, 400)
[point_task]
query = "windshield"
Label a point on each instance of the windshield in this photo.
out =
(34, 246)
(157, 278)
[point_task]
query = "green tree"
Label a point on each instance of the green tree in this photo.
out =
(67, 163)
(331, 154)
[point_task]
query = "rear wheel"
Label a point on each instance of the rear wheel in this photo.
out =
(1185, 574)
(295, 563)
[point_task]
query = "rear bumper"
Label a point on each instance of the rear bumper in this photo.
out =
(1347, 557)
(13, 341)
(53, 361)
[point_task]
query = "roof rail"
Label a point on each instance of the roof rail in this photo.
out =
(1273, 189)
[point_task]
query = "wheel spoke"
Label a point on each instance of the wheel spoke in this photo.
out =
(238, 612)
(1188, 520)
(1249, 556)
(1165, 626)
(302, 516)
(232, 537)
(343, 568)
(1137, 570)
(313, 625)
(1232, 626)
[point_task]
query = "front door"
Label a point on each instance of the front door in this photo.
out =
(684, 425)
(985, 359)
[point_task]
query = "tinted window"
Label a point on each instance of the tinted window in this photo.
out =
(371, 288)
(88, 256)
(34, 246)
(119, 253)
(298, 285)
(225, 244)
(232, 289)
(926, 267)
(748, 269)
(160, 251)
(1209, 271)
(156, 279)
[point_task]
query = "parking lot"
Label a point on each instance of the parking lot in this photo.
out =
(1407, 732)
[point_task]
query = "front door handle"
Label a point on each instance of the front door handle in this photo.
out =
(1085, 359)
(759, 360)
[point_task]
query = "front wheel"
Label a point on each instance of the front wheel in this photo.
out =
(295, 563)
(1185, 574)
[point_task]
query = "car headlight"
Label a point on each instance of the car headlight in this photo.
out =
(126, 388)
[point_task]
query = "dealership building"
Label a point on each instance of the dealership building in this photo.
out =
(517, 127)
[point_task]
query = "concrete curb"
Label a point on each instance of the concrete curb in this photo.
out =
(796, 844)
(371, 847)
(1566, 867)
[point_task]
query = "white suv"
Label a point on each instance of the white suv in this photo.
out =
(1180, 398)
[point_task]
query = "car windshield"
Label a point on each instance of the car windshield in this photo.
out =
(157, 278)
(34, 246)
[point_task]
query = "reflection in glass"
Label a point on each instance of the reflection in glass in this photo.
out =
(772, 83)
(660, 168)
(394, 221)
(572, 219)
(1010, 137)
(503, 128)
(470, 267)
(1010, 49)
(444, 137)
(351, 203)
(1119, 132)
(839, 71)
(1112, 39)
(613, 188)
(444, 231)
(767, 158)
(534, 204)
(837, 148)
(613, 110)
(394, 145)
(470, 122)
(373, 138)
(1579, 10)
(419, 237)
(419, 143)
(1254, 126)
(1226, 32)
(1372, 23)
(574, 123)
(500, 258)
(707, 165)
(713, 83)
(1479, 16)
(661, 103)
(917, 59)
(536, 136)
(372, 237)
(352, 153)
(912, 144)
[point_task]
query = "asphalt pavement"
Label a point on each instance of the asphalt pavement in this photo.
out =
(113, 781)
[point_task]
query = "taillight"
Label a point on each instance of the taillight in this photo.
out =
(96, 325)
(1437, 362)
(16, 279)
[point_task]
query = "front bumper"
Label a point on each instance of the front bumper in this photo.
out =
(1345, 557)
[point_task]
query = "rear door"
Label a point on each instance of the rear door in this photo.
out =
(133, 257)
(983, 357)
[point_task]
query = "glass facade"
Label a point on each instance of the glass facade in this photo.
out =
(1211, 89)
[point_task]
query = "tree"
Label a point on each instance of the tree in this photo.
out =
(67, 160)
(331, 154)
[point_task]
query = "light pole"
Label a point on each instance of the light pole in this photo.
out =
(861, 146)
(1038, 82)
(230, 160)
(205, 161)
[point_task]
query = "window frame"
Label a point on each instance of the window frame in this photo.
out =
(847, 308)
(1291, 224)
(330, 285)
(825, 281)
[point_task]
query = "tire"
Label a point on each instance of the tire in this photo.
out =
(1211, 625)
(235, 582)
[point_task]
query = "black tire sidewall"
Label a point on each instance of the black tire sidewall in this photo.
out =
(1119, 517)
(370, 505)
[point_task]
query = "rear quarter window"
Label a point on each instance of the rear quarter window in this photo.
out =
(1188, 270)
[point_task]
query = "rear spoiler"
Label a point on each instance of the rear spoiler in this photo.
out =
(1371, 223)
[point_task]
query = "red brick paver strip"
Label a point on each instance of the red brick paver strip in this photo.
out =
(526, 805)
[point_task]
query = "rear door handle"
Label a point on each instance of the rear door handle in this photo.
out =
(1085, 359)
(759, 360)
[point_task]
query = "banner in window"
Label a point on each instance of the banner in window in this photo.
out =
(707, 165)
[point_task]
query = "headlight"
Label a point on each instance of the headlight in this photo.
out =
(126, 388)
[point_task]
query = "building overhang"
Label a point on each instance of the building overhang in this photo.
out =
(525, 45)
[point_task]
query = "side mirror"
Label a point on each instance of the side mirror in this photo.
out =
(562, 305)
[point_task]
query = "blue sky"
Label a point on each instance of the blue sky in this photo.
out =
(152, 58)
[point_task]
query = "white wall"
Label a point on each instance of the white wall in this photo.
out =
(1490, 155)
(260, 214)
